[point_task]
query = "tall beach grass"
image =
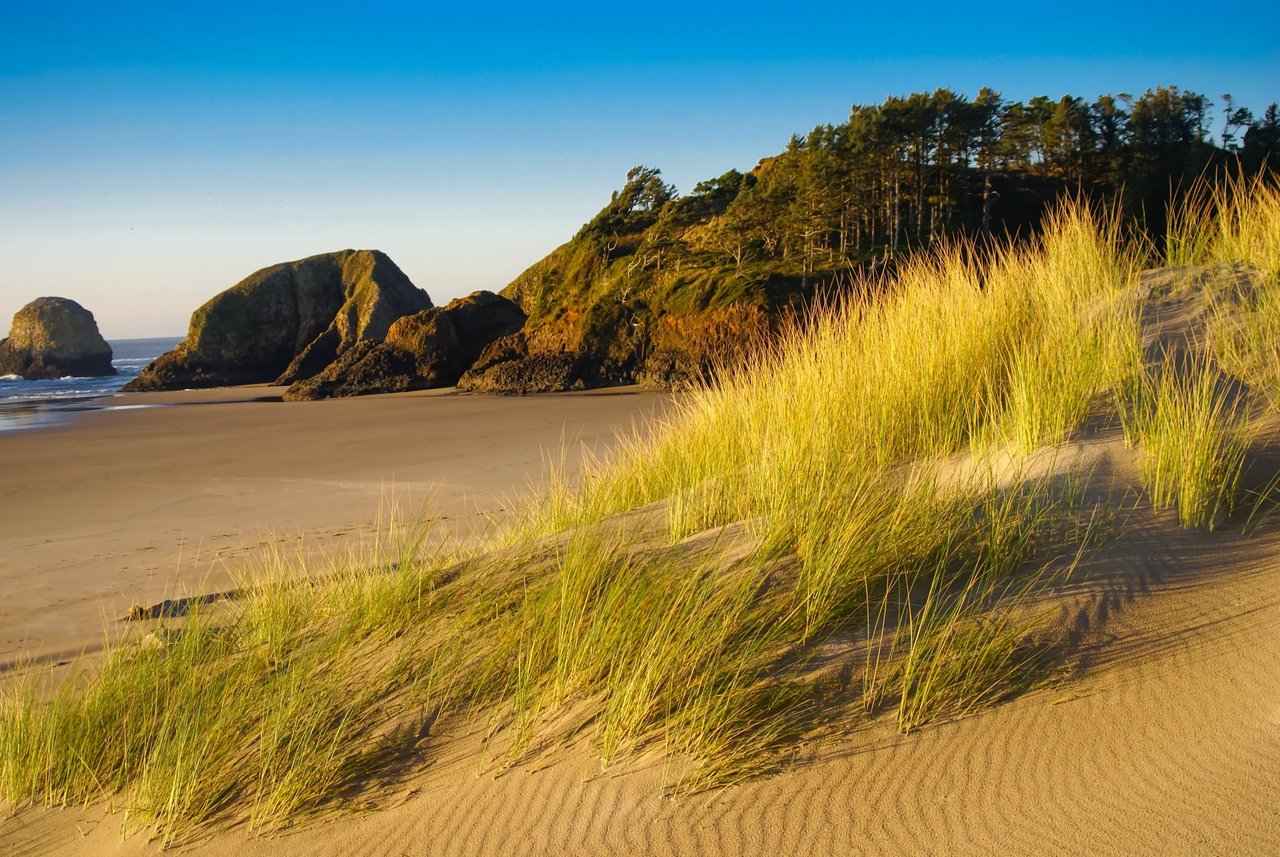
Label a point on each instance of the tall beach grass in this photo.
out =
(676, 597)
(1193, 430)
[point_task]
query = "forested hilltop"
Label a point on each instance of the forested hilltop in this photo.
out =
(657, 286)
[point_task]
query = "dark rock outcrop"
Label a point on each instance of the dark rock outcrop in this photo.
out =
(366, 367)
(508, 366)
(53, 338)
(287, 322)
(421, 351)
(669, 352)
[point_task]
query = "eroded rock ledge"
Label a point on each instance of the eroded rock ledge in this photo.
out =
(427, 349)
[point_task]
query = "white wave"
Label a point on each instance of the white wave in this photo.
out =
(10, 377)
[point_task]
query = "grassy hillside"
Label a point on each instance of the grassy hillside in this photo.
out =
(859, 492)
(849, 200)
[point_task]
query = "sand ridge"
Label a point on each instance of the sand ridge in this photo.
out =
(1165, 741)
(1160, 735)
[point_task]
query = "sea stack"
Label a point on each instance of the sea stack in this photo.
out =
(287, 322)
(53, 338)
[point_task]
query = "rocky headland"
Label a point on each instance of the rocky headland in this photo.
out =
(631, 299)
(52, 338)
(627, 300)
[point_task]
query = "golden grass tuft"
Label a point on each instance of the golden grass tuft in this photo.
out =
(1235, 220)
(1191, 423)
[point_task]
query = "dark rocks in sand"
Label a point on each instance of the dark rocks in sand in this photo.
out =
(509, 366)
(287, 322)
(53, 338)
(365, 368)
(427, 349)
(669, 352)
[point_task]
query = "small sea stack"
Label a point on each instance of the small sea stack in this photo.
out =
(54, 337)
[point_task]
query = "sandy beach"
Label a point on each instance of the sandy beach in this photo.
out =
(170, 494)
(1152, 726)
(1165, 740)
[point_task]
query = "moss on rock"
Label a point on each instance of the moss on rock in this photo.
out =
(287, 322)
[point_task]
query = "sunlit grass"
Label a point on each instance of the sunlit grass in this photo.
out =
(1236, 220)
(1191, 424)
(1237, 224)
(674, 598)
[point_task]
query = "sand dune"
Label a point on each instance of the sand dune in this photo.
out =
(1159, 733)
(1162, 736)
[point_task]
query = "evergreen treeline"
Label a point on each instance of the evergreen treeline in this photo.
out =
(894, 177)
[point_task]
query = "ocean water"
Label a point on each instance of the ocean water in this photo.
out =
(30, 404)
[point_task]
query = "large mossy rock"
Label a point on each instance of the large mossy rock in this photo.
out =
(54, 338)
(287, 322)
(425, 350)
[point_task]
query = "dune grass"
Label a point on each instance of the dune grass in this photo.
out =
(964, 352)
(1191, 413)
(1191, 422)
(679, 597)
(254, 708)
(1241, 225)
(1237, 223)
(1247, 343)
(1229, 221)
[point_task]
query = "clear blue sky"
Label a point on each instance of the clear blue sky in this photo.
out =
(152, 154)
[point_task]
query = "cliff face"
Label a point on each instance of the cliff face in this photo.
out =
(52, 338)
(604, 316)
(287, 322)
